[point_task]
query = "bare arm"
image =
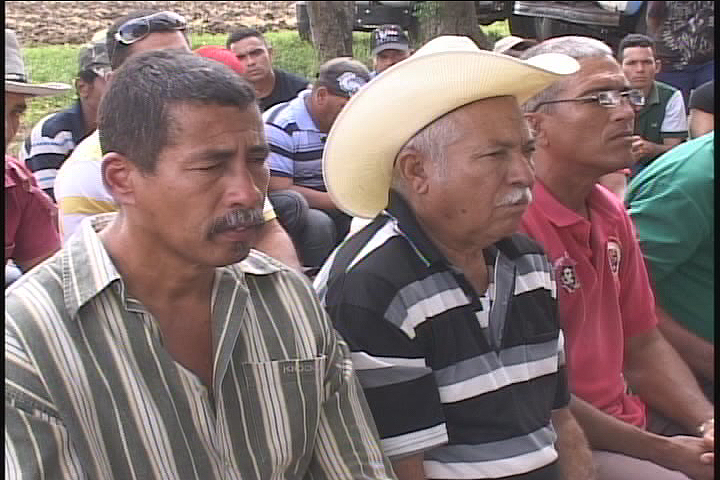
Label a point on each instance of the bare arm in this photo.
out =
(656, 373)
(315, 198)
(700, 122)
(575, 458)
(274, 241)
(697, 352)
(409, 468)
(605, 432)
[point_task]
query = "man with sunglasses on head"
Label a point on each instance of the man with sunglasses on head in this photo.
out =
(639, 404)
(79, 189)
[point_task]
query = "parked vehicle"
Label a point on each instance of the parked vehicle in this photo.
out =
(609, 21)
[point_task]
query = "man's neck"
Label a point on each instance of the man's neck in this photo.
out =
(468, 257)
(265, 86)
(313, 114)
(568, 187)
(89, 117)
(152, 276)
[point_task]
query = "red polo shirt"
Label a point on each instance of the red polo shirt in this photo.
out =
(30, 215)
(604, 294)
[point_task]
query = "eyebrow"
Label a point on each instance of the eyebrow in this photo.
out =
(259, 150)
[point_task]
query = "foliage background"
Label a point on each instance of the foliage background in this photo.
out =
(58, 63)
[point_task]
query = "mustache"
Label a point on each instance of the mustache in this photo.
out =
(516, 195)
(238, 218)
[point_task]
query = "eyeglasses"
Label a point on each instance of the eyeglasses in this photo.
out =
(139, 28)
(606, 98)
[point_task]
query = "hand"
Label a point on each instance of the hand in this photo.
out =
(641, 149)
(685, 454)
(709, 442)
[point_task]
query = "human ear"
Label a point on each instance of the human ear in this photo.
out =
(117, 175)
(412, 168)
(536, 122)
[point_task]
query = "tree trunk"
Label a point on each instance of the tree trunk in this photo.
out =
(450, 18)
(331, 28)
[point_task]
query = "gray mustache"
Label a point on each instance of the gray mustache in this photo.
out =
(515, 196)
(238, 218)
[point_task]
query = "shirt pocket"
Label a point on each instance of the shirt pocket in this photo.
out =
(285, 402)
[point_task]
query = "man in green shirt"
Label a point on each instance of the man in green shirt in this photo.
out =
(671, 205)
(661, 124)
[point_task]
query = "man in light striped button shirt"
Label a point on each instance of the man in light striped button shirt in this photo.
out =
(156, 344)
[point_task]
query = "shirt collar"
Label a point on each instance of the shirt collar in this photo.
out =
(300, 112)
(562, 216)
(653, 97)
(88, 269)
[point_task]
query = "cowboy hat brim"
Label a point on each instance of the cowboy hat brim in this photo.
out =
(37, 89)
(383, 115)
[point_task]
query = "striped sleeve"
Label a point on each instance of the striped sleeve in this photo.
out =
(675, 121)
(37, 444)
(280, 161)
(46, 148)
(399, 386)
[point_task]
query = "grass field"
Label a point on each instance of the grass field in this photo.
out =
(58, 63)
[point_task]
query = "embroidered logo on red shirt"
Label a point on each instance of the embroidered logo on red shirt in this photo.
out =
(614, 255)
(566, 274)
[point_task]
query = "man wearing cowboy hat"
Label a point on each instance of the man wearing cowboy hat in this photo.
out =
(450, 316)
(637, 401)
(30, 216)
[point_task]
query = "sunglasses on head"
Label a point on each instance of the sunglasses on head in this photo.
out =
(139, 28)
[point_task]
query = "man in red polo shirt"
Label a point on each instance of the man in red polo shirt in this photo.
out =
(583, 129)
(31, 233)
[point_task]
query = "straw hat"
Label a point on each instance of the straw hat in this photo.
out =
(16, 81)
(446, 73)
(511, 42)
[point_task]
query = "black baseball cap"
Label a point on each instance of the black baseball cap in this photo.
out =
(388, 36)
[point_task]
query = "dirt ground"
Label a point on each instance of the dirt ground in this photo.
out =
(75, 22)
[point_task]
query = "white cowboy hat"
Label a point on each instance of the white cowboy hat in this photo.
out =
(16, 81)
(446, 73)
(510, 42)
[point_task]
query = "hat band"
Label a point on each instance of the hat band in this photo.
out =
(16, 77)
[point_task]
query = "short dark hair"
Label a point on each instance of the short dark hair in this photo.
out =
(87, 76)
(119, 52)
(634, 40)
(244, 33)
(135, 116)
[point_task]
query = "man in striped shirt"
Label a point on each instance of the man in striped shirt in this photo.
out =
(156, 344)
(449, 315)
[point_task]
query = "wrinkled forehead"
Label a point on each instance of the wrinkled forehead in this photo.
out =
(596, 72)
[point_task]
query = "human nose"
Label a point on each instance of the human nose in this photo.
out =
(245, 188)
(522, 170)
